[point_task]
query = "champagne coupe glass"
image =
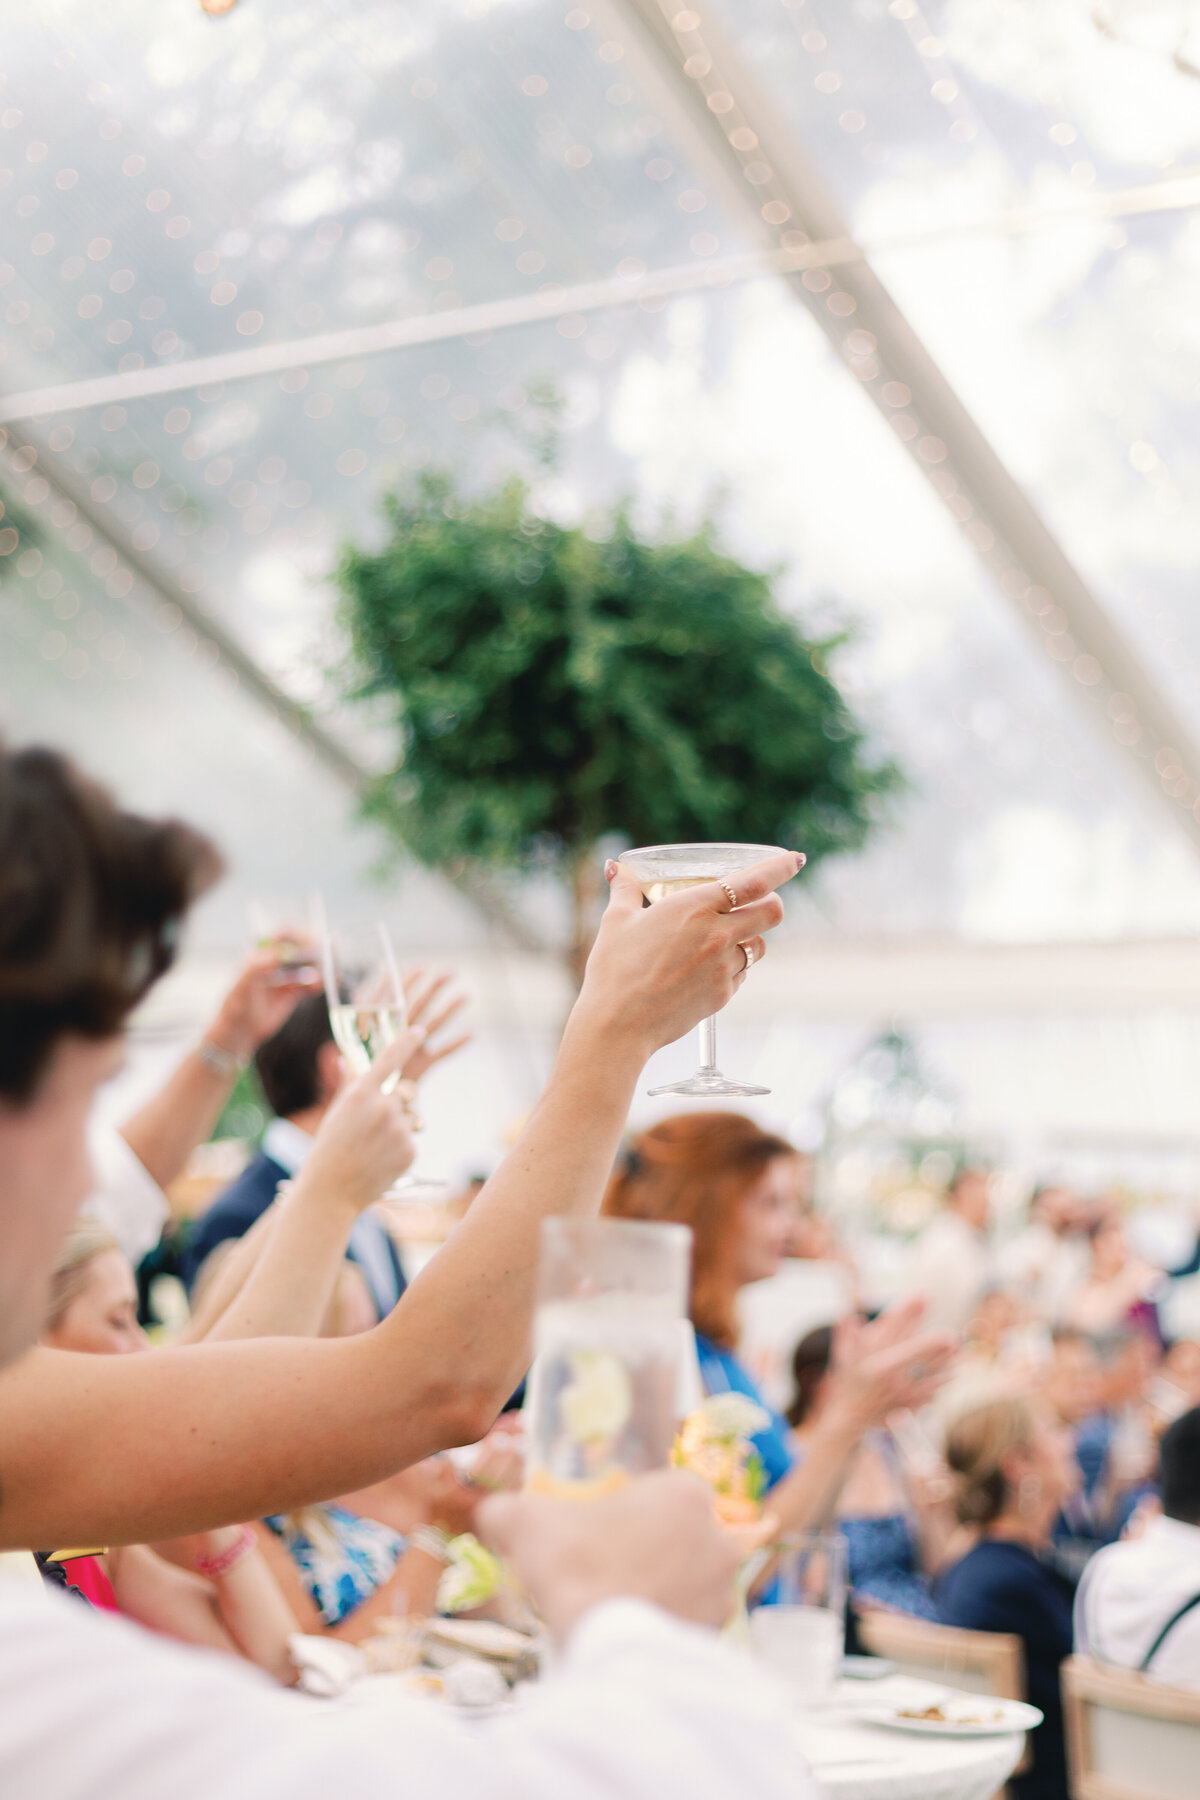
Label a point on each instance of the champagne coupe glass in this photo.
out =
(612, 1295)
(663, 869)
(367, 1008)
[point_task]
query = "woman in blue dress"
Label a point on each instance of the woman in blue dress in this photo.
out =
(734, 1185)
(896, 1528)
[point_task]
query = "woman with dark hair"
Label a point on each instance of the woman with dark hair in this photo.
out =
(731, 1182)
(190, 1438)
(896, 1525)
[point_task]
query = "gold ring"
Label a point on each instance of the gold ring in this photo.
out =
(730, 892)
(748, 953)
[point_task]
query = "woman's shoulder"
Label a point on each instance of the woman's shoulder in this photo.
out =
(995, 1586)
(991, 1566)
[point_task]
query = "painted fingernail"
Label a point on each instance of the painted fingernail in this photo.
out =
(800, 857)
(610, 869)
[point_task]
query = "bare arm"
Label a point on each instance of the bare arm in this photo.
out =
(242, 1611)
(878, 1368)
(286, 1288)
(163, 1133)
(146, 1447)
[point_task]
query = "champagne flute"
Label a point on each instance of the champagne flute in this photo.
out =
(368, 1009)
(663, 869)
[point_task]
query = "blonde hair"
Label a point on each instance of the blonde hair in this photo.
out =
(86, 1240)
(976, 1446)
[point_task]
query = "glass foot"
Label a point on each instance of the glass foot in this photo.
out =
(415, 1187)
(708, 1084)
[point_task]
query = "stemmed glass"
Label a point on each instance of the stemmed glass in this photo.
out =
(368, 1008)
(663, 869)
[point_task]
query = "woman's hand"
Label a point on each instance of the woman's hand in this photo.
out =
(263, 996)
(365, 1139)
(657, 1540)
(420, 991)
(655, 972)
(888, 1365)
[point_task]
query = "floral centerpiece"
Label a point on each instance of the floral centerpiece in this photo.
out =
(472, 1575)
(715, 1442)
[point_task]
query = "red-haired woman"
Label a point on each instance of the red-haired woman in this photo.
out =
(734, 1185)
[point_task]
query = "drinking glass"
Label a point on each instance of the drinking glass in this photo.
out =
(277, 925)
(367, 1008)
(801, 1635)
(607, 1345)
(663, 869)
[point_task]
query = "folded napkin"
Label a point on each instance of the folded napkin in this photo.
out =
(327, 1667)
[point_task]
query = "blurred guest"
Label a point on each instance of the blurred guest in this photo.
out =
(1119, 1289)
(136, 1161)
(212, 1588)
(894, 1517)
(330, 1569)
(1139, 1601)
(1047, 1261)
(301, 1071)
(734, 1185)
(1073, 1389)
(816, 1284)
(951, 1261)
(1177, 1387)
(1015, 1472)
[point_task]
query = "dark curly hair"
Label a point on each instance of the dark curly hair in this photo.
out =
(91, 900)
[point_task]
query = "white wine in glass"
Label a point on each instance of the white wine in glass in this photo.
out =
(664, 869)
(361, 1032)
(368, 1010)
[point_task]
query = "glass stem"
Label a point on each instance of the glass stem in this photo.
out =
(708, 1046)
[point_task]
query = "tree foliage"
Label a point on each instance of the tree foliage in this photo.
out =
(551, 686)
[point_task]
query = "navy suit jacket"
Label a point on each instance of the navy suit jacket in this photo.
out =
(233, 1213)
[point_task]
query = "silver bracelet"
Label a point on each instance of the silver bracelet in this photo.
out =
(432, 1541)
(222, 1062)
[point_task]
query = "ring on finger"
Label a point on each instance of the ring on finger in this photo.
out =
(748, 953)
(732, 896)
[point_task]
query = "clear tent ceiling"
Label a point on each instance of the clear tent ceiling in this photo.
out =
(177, 187)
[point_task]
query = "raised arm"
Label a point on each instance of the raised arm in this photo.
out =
(166, 1129)
(878, 1369)
(146, 1447)
(279, 1282)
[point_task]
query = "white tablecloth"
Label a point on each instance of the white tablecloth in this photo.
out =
(850, 1759)
(854, 1760)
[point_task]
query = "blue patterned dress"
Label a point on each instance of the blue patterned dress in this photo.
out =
(341, 1557)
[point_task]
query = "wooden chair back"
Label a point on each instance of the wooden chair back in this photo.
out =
(981, 1662)
(1129, 1738)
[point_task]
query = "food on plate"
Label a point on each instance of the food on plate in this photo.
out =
(937, 1715)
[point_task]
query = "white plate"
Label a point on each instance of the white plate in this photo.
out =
(867, 1668)
(966, 1717)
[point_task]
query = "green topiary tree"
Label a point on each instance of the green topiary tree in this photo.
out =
(551, 686)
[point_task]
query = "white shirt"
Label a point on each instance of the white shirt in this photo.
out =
(126, 1196)
(1130, 1590)
(950, 1267)
(641, 1708)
